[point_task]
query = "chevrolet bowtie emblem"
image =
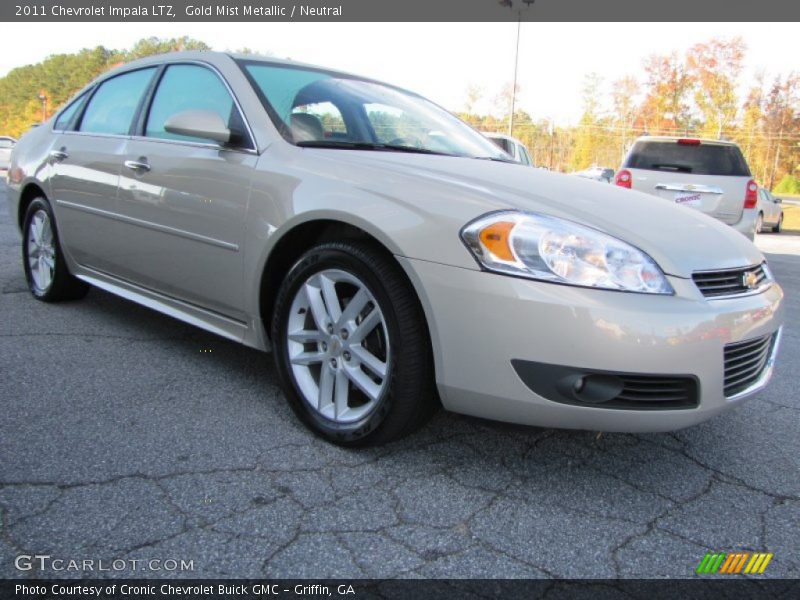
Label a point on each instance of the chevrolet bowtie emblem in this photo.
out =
(750, 280)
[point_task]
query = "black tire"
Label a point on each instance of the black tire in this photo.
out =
(779, 226)
(63, 285)
(409, 397)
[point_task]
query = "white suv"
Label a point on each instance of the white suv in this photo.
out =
(711, 176)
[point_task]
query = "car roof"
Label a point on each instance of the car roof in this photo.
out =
(675, 138)
(219, 58)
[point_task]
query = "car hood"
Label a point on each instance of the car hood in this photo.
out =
(680, 239)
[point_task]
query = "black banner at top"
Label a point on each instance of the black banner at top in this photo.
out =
(399, 10)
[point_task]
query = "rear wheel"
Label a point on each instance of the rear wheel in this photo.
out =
(779, 226)
(351, 346)
(46, 272)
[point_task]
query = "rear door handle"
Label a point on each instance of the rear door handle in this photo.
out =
(137, 165)
(58, 155)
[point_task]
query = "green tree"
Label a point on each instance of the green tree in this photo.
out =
(153, 45)
(60, 76)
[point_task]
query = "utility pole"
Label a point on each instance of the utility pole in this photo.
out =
(510, 4)
(514, 85)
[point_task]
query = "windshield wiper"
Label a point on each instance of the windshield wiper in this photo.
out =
(495, 159)
(343, 145)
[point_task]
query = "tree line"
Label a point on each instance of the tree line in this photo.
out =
(694, 94)
(32, 93)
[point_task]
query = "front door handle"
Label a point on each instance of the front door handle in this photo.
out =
(58, 155)
(137, 165)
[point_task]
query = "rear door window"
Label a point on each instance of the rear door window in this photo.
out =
(113, 105)
(697, 159)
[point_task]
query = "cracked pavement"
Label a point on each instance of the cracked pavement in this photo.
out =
(122, 436)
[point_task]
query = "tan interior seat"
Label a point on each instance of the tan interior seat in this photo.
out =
(306, 128)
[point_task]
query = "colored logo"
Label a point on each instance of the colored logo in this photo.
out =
(733, 563)
(750, 280)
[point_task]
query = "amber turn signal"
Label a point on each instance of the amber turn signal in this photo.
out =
(496, 239)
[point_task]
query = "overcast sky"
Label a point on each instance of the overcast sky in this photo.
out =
(437, 60)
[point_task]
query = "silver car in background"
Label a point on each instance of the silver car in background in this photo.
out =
(6, 145)
(711, 176)
(770, 212)
(388, 254)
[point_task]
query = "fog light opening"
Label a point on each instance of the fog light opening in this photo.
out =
(596, 389)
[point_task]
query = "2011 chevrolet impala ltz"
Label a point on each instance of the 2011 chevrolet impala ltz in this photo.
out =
(390, 256)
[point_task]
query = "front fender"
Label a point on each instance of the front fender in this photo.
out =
(280, 203)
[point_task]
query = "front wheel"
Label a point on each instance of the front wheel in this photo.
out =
(46, 272)
(351, 346)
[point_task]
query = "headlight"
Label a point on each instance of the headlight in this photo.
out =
(551, 249)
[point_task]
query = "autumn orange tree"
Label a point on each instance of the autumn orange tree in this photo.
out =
(714, 68)
(695, 93)
(666, 104)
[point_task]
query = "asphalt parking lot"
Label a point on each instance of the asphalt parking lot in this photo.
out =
(125, 434)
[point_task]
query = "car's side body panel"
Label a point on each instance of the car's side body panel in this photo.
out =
(83, 191)
(181, 223)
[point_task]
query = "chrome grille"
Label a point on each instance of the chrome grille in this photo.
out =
(731, 281)
(744, 363)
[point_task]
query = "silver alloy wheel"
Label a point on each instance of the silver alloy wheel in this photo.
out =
(338, 346)
(41, 251)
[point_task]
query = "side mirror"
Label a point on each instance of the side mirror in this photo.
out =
(204, 124)
(778, 200)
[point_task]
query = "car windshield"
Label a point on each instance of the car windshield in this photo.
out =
(318, 109)
(695, 158)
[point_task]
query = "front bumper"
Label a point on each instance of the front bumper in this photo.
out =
(480, 322)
